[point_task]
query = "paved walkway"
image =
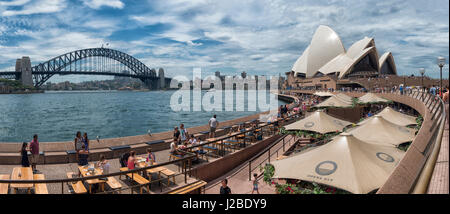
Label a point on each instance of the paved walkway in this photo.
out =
(238, 177)
(439, 183)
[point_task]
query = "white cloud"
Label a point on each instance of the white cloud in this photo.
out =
(13, 3)
(96, 4)
(36, 7)
(264, 36)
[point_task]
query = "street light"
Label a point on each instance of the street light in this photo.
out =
(441, 63)
(422, 72)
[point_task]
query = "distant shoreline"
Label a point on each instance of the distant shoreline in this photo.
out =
(24, 92)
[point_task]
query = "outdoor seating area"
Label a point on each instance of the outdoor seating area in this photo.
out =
(375, 141)
(23, 173)
(238, 137)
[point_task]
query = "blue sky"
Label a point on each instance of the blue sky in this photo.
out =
(261, 37)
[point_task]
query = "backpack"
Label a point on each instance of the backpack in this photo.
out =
(124, 159)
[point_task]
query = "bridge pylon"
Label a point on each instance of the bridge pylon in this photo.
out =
(24, 67)
(151, 84)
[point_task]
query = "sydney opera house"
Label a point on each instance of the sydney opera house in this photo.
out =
(327, 60)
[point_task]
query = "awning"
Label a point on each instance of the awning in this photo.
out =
(334, 101)
(371, 98)
(319, 122)
(395, 117)
(346, 163)
(378, 130)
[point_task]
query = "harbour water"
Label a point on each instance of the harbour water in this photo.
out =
(56, 116)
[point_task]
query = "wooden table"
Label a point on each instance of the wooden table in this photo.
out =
(26, 173)
(158, 170)
(97, 171)
(143, 164)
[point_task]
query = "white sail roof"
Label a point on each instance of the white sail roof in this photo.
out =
(326, 55)
(325, 45)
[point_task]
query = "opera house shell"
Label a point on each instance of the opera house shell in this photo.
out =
(326, 55)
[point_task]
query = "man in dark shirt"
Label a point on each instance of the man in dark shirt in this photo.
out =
(176, 134)
(224, 189)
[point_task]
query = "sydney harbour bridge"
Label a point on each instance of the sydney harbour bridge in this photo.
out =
(91, 61)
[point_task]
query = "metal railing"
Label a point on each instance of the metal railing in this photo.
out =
(267, 150)
(185, 161)
(185, 172)
(437, 117)
(230, 136)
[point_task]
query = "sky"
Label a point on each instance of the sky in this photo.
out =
(261, 37)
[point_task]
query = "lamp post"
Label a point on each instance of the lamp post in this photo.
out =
(422, 72)
(441, 63)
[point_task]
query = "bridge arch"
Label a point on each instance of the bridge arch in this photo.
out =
(44, 71)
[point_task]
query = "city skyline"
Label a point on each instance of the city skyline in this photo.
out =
(259, 37)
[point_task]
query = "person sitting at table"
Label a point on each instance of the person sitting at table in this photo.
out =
(103, 164)
(131, 160)
(174, 148)
(242, 127)
(192, 140)
(151, 158)
(183, 145)
(24, 154)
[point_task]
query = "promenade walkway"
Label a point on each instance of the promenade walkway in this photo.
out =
(439, 183)
(238, 177)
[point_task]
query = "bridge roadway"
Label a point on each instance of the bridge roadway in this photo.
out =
(13, 73)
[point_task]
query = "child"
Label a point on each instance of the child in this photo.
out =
(150, 156)
(255, 183)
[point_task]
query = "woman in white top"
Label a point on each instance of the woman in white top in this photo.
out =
(103, 164)
(192, 140)
(78, 141)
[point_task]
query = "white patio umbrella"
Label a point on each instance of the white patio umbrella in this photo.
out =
(378, 130)
(395, 117)
(346, 163)
(372, 98)
(320, 122)
(334, 101)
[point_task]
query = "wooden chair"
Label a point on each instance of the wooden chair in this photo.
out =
(77, 187)
(113, 183)
(4, 186)
(138, 179)
(40, 188)
(169, 173)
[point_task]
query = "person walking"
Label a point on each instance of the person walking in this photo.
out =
(24, 154)
(255, 183)
(34, 147)
(213, 124)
